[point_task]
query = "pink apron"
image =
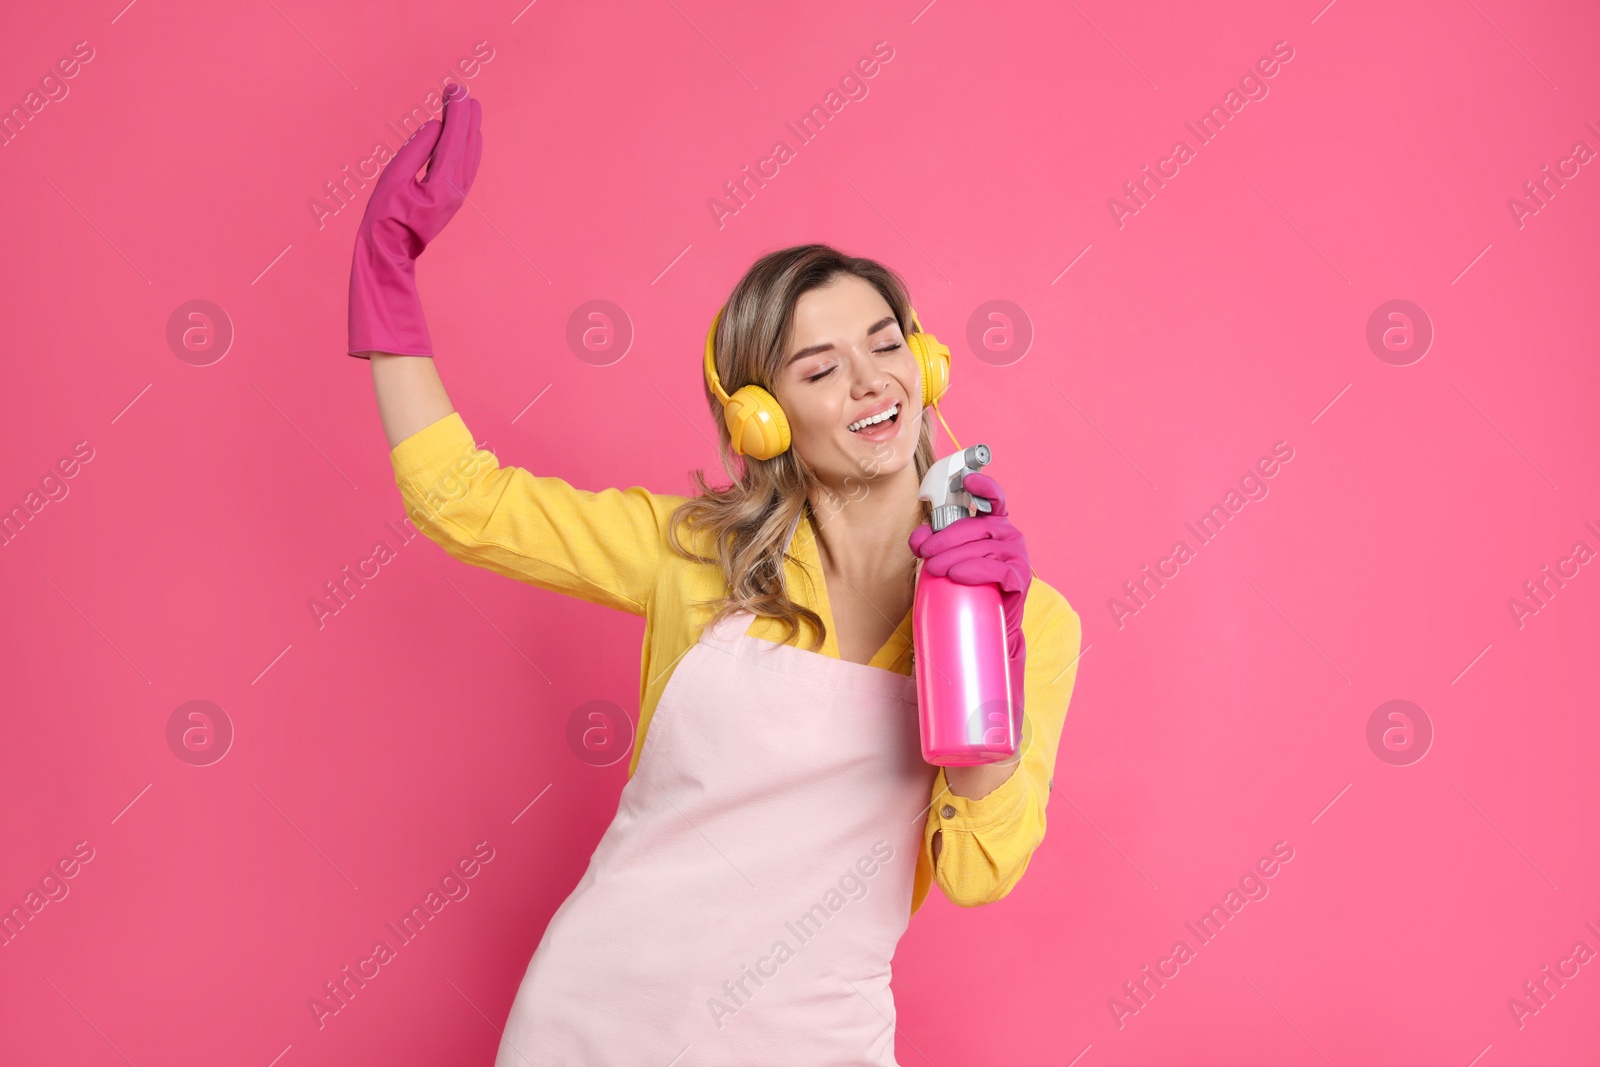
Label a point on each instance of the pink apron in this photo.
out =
(745, 903)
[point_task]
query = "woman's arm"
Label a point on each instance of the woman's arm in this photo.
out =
(410, 394)
(980, 846)
(981, 779)
(606, 546)
(975, 783)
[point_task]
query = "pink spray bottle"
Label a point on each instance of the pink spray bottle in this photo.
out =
(959, 640)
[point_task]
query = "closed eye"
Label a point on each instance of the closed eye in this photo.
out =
(824, 373)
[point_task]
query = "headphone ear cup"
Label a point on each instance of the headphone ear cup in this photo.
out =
(756, 423)
(933, 364)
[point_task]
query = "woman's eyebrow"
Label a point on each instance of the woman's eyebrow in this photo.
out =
(828, 345)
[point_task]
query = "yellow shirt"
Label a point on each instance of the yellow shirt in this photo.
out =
(610, 547)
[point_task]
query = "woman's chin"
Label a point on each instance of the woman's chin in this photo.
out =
(873, 460)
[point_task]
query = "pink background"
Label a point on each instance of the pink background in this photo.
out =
(1228, 314)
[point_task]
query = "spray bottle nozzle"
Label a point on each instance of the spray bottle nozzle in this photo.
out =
(943, 487)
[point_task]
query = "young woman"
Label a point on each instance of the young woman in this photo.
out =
(779, 825)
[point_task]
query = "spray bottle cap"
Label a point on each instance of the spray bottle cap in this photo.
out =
(942, 486)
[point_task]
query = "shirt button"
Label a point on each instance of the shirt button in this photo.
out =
(948, 812)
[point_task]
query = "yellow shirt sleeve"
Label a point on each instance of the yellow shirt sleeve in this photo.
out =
(604, 547)
(988, 841)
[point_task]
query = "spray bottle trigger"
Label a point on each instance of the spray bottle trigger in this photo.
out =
(982, 504)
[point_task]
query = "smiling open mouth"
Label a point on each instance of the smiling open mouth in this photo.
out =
(878, 420)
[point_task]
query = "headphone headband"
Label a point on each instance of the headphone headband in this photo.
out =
(711, 358)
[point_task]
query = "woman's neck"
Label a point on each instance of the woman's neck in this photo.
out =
(862, 531)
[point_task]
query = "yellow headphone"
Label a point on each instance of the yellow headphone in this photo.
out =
(756, 423)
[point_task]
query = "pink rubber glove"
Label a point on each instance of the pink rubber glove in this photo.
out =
(402, 216)
(985, 548)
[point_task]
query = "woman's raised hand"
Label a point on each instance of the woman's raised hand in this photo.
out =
(402, 216)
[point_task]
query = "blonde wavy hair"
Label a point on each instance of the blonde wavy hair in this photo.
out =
(751, 521)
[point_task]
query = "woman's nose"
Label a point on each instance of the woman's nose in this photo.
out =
(867, 376)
